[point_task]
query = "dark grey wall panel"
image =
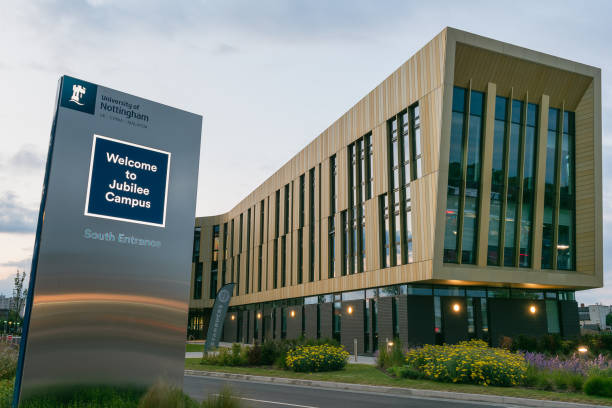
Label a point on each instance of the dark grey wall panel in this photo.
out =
(352, 325)
(385, 320)
(277, 328)
(416, 317)
(326, 311)
(568, 316)
(267, 324)
(511, 317)
(454, 323)
(245, 327)
(294, 324)
(230, 328)
(310, 315)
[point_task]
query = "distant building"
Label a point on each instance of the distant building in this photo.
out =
(593, 316)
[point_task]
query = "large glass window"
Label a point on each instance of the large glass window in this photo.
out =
(497, 180)
(214, 265)
(455, 176)
(559, 235)
(311, 224)
(529, 159)
(197, 281)
(472, 183)
(513, 184)
(464, 170)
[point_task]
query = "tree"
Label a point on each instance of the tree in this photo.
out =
(609, 319)
(19, 297)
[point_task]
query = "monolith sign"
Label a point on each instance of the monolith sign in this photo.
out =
(111, 267)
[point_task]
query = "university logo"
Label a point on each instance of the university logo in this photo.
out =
(78, 95)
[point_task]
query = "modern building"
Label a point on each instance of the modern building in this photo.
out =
(461, 198)
(593, 316)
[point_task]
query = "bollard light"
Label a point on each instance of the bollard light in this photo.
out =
(582, 349)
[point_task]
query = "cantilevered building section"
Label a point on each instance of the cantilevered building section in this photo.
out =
(459, 199)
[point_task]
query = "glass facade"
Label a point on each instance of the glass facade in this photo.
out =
(513, 184)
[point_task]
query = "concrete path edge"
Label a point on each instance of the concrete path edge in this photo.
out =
(414, 392)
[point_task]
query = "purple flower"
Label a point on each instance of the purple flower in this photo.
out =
(574, 364)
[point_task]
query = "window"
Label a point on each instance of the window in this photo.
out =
(417, 158)
(550, 189)
(248, 253)
(311, 225)
(197, 284)
(460, 239)
(528, 193)
(225, 253)
(497, 181)
(283, 261)
(566, 234)
(332, 248)
(346, 239)
(196, 244)
(214, 265)
(402, 151)
(384, 226)
(300, 232)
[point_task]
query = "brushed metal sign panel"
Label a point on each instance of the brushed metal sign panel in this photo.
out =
(110, 282)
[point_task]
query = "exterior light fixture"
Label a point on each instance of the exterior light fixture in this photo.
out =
(390, 344)
(350, 310)
(456, 308)
(259, 315)
(292, 313)
(233, 317)
(582, 349)
(532, 309)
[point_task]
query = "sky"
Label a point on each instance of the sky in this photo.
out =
(268, 77)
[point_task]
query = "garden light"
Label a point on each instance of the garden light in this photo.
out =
(456, 307)
(390, 344)
(582, 349)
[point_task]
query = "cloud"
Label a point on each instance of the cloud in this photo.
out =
(14, 217)
(23, 263)
(29, 156)
(224, 49)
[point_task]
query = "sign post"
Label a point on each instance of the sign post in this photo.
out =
(108, 297)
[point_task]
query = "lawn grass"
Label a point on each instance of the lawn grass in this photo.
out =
(194, 347)
(366, 374)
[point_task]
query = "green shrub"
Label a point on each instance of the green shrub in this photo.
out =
(600, 386)
(468, 362)
(225, 399)
(405, 372)
(254, 355)
(163, 395)
(316, 358)
(6, 393)
(8, 362)
(391, 356)
(269, 352)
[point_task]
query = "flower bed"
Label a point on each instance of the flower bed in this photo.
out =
(468, 362)
(316, 358)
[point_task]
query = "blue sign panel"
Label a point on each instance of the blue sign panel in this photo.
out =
(127, 182)
(78, 95)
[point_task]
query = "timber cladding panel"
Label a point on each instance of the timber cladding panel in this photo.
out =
(310, 317)
(352, 326)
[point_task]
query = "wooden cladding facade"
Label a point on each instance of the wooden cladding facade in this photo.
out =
(452, 58)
